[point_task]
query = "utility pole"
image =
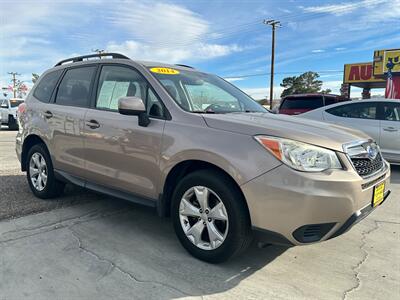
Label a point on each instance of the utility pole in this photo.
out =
(14, 81)
(273, 24)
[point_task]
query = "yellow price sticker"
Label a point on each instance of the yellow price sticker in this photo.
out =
(167, 71)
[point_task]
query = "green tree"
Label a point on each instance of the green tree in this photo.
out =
(305, 83)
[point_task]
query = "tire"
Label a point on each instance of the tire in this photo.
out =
(12, 123)
(235, 231)
(52, 187)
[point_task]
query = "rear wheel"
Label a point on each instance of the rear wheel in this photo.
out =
(40, 173)
(12, 123)
(210, 216)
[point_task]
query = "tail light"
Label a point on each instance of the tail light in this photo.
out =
(21, 108)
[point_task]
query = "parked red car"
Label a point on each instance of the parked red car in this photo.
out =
(301, 103)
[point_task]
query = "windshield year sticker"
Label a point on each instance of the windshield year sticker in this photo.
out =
(167, 71)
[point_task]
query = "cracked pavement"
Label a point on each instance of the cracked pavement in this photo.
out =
(97, 247)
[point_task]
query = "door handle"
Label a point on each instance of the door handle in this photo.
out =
(48, 114)
(93, 124)
(390, 129)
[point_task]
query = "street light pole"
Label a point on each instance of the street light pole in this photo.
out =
(273, 24)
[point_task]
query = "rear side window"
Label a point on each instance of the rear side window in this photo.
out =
(46, 86)
(15, 103)
(74, 89)
(302, 103)
(365, 110)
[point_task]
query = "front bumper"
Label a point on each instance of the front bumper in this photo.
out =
(291, 207)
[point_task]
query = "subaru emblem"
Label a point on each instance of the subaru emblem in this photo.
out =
(372, 152)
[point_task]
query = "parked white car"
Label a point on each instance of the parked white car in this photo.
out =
(379, 118)
(8, 112)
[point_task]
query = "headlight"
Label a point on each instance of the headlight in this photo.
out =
(300, 156)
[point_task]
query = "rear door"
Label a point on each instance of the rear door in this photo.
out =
(390, 130)
(360, 115)
(119, 153)
(66, 116)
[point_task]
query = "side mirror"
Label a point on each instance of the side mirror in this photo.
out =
(134, 106)
(4, 106)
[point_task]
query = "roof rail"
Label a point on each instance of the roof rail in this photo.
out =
(186, 66)
(99, 55)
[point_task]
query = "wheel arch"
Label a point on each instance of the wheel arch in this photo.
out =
(29, 142)
(179, 171)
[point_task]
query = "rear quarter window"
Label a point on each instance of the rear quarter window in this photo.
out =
(302, 103)
(46, 86)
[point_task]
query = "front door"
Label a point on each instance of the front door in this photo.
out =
(390, 131)
(119, 153)
(361, 115)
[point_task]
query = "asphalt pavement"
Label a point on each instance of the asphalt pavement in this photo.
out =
(89, 246)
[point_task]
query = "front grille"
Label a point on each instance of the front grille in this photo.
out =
(365, 157)
(367, 166)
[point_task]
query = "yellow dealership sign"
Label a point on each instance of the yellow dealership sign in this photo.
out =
(359, 73)
(385, 60)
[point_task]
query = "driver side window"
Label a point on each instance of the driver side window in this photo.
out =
(116, 82)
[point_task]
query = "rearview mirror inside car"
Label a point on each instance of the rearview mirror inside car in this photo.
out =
(134, 106)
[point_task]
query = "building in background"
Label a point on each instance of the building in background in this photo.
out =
(383, 72)
(360, 75)
(387, 65)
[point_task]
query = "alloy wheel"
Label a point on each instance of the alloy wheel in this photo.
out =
(203, 217)
(38, 171)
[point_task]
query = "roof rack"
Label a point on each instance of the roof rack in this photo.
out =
(99, 55)
(186, 66)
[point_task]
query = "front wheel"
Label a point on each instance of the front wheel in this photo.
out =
(210, 216)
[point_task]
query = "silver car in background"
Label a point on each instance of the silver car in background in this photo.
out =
(379, 118)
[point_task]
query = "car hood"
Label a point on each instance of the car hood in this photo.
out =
(303, 130)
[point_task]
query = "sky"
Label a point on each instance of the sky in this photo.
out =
(223, 37)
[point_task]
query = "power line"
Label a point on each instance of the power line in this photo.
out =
(280, 73)
(249, 26)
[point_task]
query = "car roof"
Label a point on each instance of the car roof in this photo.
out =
(311, 95)
(355, 101)
(114, 57)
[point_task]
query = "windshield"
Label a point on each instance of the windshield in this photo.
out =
(204, 93)
(15, 103)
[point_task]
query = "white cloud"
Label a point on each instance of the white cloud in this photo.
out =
(165, 32)
(262, 93)
(342, 8)
(143, 51)
(159, 23)
(340, 48)
(233, 79)
(317, 50)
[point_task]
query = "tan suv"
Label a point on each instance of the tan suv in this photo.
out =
(198, 149)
